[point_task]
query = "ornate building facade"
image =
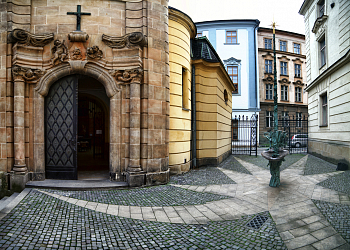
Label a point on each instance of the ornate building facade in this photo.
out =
(89, 90)
(291, 77)
(328, 77)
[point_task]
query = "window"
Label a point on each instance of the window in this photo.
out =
(322, 44)
(225, 96)
(283, 46)
(298, 94)
(231, 36)
(321, 7)
(297, 69)
(285, 119)
(268, 43)
(185, 89)
(284, 68)
(296, 48)
(269, 119)
(199, 34)
(233, 73)
(284, 93)
(324, 110)
(269, 88)
(268, 66)
(299, 117)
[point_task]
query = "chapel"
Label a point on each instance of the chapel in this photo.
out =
(121, 86)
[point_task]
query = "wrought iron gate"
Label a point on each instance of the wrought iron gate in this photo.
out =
(244, 135)
(61, 129)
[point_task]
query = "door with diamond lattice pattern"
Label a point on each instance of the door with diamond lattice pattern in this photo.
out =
(61, 129)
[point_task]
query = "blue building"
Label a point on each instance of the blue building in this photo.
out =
(236, 43)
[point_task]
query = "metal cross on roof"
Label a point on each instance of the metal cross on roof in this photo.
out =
(78, 14)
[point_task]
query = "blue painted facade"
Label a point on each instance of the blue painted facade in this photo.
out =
(240, 51)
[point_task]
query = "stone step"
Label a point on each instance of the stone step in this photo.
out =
(5, 201)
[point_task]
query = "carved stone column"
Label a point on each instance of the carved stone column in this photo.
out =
(18, 122)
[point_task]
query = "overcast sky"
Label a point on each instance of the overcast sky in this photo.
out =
(284, 12)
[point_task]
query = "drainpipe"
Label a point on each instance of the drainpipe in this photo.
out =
(256, 78)
(193, 118)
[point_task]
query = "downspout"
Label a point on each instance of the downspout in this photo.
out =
(193, 118)
(256, 81)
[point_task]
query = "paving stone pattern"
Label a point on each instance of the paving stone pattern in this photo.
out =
(338, 215)
(201, 177)
(262, 162)
(232, 164)
(166, 195)
(315, 165)
(340, 182)
(43, 222)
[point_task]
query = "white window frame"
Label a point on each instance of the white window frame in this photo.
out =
(284, 93)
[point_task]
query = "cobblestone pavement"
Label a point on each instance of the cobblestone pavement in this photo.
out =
(202, 176)
(262, 162)
(315, 165)
(146, 197)
(340, 182)
(338, 215)
(243, 214)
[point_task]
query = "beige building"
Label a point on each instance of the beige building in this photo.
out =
(105, 88)
(291, 77)
(328, 77)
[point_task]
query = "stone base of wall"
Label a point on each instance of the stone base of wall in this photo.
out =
(211, 161)
(158, 178)
(18, 182)
(329, 151)
(180, 168)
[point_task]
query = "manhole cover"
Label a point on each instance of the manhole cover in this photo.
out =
(257, 222)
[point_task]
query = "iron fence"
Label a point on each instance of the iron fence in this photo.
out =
(245, 135)
(297, 133)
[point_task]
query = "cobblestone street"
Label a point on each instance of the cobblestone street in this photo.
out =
(229, 207)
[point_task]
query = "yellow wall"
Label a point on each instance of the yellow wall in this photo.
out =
(180, 118)
(213, 114)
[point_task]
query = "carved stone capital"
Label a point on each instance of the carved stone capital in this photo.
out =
(94, 52)
(29, 39)
(132, 39)
(26, 74)
(128, 76)
(78, 36)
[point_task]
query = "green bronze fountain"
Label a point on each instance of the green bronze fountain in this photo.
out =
(277, 138)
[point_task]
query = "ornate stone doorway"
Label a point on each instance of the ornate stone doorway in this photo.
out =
(76, 128)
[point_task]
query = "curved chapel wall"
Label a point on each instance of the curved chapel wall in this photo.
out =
(181, 30)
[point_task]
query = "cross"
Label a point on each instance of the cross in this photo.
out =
(78, 14)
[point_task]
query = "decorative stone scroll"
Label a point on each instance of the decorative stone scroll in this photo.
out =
(94, 52)
(132, 39)
(29, 75)
(59, 52)
(29, 39)
(127, 76)
(78, 36)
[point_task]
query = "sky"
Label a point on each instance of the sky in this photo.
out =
(284, 12)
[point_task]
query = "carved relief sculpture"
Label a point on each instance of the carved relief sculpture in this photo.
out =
(29, 75)
(132, 39)
(94, 52)
(59, 51)
(29, 39)
(76, 54)
(129, 75)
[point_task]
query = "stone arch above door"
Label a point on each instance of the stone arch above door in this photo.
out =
(77, 67)
(42, 89)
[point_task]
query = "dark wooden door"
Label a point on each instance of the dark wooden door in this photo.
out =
(61, 129)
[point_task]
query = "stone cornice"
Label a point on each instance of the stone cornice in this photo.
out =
(27, 74)
(281, 52)
(29, 39)
(342, 61)
(182, 18)
(132, 39)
